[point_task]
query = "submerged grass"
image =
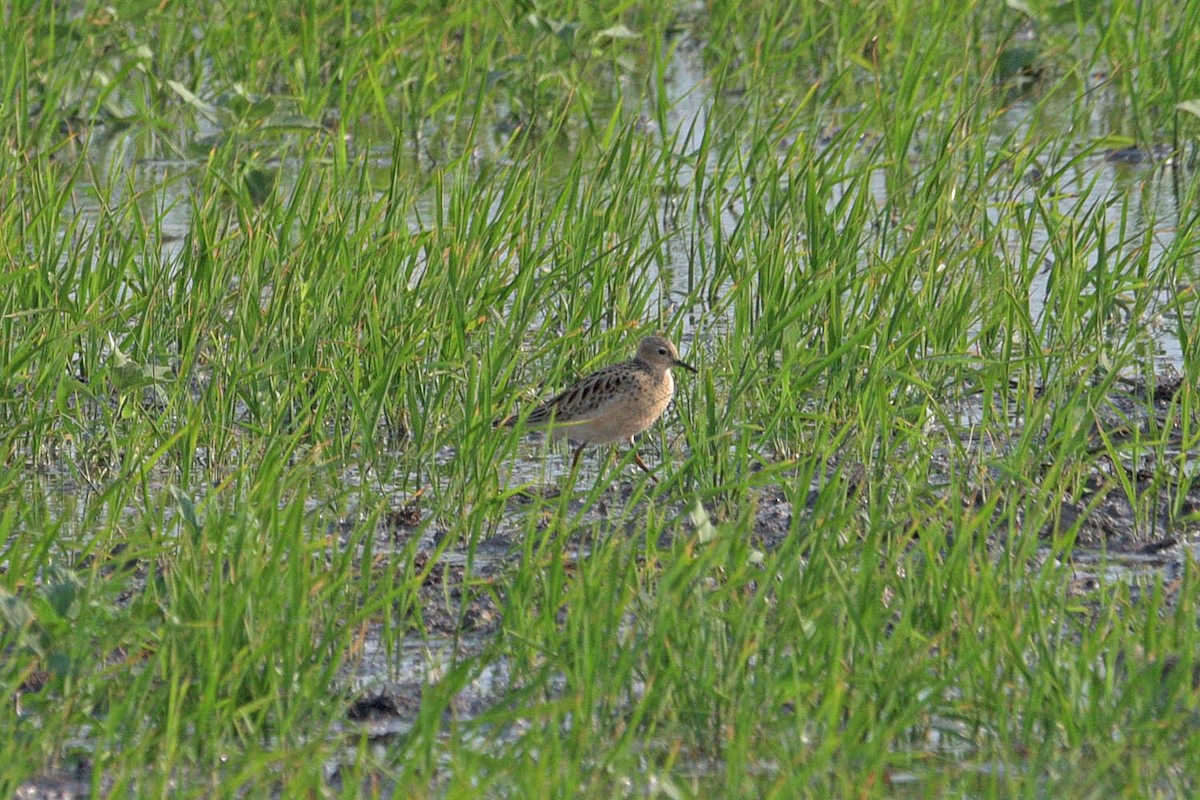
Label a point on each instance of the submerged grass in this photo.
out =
(270, 273)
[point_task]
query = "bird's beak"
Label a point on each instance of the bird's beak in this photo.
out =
(685, 365)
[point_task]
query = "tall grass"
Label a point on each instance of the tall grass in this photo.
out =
(270, 274)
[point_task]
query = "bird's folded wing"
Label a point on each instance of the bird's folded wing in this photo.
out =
(577, 403)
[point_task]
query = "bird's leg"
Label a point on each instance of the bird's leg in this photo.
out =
(575, 460)
(638, 460)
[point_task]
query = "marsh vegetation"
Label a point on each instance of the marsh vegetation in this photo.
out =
(925, 519)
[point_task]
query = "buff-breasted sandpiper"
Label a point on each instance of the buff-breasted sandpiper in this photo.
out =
(613, 404)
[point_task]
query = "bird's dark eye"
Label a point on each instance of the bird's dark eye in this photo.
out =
(662, 351)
